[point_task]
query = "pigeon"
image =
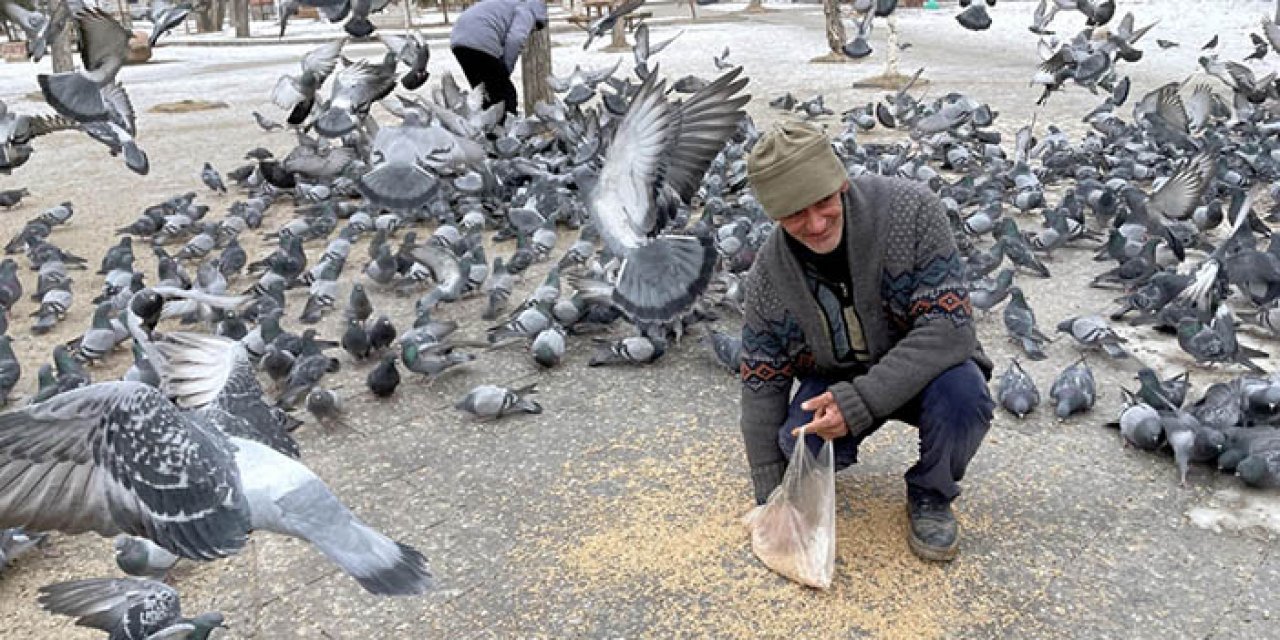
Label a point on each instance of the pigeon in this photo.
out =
(1190, 441)
(1217, 342)
(127, 608)
(987, 298)
(325, 406)
(1016, 391)
(212, 178)
(91, 96)
(1212, 43)
(411, 50)
(1261, 469)
(10, 198)
(1020, 321)
(384, 378)
(727, 349)
(605, 23)
(267, 124)
(382, 333)
(1092, 331)
(164, 16)
(1140, 424)
(491, 402)
(17, 542)
(657, 159)
(632, 350)
(297, 94)
(1164, 395)
(355, 87)
(355, 340)
(143, 558)
(548, 346)
(100, 443)
(10, 369)
(974, 18)
(432, 359)
(1074, 390)
(39, 29)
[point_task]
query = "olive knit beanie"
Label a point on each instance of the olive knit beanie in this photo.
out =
(793, 166)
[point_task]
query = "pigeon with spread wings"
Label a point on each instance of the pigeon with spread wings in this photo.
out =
(659, 153)
(119, 457)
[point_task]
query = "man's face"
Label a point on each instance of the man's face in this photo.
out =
(819, 226)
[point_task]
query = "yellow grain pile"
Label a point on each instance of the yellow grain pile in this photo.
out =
(666, 539)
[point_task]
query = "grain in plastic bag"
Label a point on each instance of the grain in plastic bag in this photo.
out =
(794, 532)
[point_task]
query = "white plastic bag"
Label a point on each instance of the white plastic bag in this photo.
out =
(794, 532)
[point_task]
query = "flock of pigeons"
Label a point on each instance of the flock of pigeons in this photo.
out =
(188, 454)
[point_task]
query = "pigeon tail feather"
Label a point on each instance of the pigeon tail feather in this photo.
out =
(661, 279)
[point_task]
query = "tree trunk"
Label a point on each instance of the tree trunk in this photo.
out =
(693, 9)
(408, 15)
(1278, 11)
(891, 62)
(444, 10)
(209, 17)
(757, 6)
(122, 13)
(835, 28)
(240, 17)
(619, 37)
(60, 50)
(535, 66)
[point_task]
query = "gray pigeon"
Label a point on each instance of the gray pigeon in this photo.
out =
(127, 609)
(490, 401)
(548, 347)
(1140, 424)
(632, 350)
(17, 542)
(1016, 391)
(212, 179)
(143, 558)
(727, 349)
(101, 443)
(326, 406)
(1261, 469)
(1092, 331)
(1074, 391)
(657, 160)
(10, 369)
(1020, 321)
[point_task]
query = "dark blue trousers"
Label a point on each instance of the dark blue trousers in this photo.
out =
(952, 414)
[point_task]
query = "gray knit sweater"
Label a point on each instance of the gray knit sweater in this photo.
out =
(908, 295)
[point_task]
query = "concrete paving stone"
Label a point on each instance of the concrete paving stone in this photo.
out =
(328, 608)
(1256, 608)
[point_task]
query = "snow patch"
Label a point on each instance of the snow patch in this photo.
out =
(1239, 511)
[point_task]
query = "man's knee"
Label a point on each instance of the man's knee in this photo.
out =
(958, 399)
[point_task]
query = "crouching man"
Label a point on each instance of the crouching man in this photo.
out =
(857, 296)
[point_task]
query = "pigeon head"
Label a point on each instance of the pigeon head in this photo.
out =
(205, 623)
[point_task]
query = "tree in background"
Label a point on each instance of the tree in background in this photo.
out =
(535, 66)
(240, 17)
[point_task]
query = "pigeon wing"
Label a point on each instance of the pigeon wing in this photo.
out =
(622, 201)
(123, 607)
(1169, 106)
(1180, 194)
(103, 42)
(119, 457)
(700, 128)
(323, 59)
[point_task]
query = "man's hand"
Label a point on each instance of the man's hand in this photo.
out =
(827, 421)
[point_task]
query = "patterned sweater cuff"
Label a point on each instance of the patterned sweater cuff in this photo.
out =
(856, 414)
(766, 478)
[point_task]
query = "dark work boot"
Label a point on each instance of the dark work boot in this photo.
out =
(933, 533)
